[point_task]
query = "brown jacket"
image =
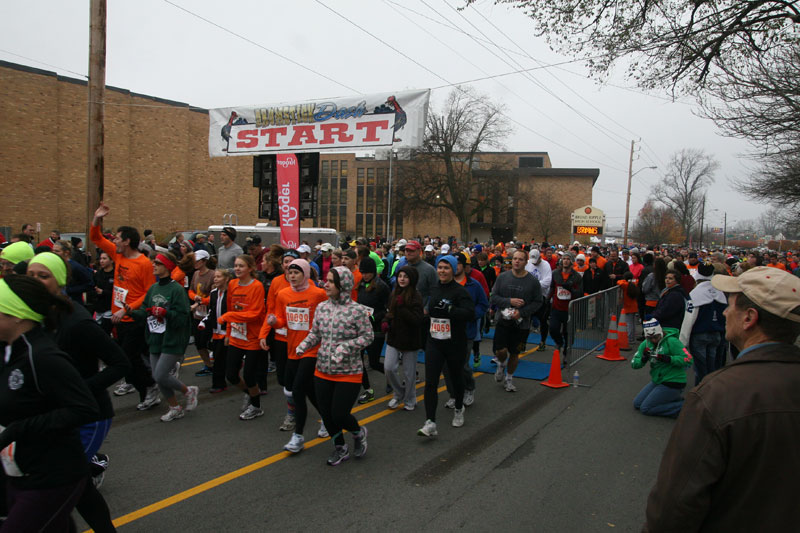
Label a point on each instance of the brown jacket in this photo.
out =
(733, 460)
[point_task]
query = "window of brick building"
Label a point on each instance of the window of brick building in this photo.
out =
(531, 162)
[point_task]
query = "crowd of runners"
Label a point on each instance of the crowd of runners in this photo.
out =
(320, 317)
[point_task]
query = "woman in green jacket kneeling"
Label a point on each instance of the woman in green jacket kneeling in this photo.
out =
(668, 360)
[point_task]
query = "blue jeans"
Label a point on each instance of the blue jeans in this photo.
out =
(659, 400)
(703, 347)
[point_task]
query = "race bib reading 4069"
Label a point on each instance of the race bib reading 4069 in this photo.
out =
(440, 328)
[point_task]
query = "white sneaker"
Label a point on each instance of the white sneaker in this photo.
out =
(150, 400)
(500, 373)
(191, 397)
(409, 406)
(288, 423)
(450, 404)
(295, 444)
(458, 418)
(394, 403)
(469, 397)
(245, 402)
(123, 389)
(251, 412)
(428, 430)
(174, 413)
(509, 386)
(322, 432)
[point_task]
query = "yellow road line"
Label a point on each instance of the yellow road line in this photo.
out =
(230, 476)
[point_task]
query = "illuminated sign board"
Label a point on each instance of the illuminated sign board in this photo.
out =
(588, 221)
(587, 230)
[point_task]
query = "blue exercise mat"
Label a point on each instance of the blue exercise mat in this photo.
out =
(525, 369)
(535, 338)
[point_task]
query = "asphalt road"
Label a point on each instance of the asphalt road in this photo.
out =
(540, 459)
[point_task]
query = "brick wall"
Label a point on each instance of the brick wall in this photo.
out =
(157, 170)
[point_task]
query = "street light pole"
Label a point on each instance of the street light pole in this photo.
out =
(628, 196)
(389, 202)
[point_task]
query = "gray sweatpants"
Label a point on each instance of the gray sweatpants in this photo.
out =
(408, 393)
(161, 365)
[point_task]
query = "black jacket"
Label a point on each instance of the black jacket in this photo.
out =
(104, 281)
(377, 299)
(87, 344)
(405, 322)
(671, 307)
(452, 301)
(595, 281)
(43, 403)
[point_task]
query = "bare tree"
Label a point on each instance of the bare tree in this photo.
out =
(666, 42)
(441, 174)
(739, 58)
(655, 225)
(547, 214)
(689, 173)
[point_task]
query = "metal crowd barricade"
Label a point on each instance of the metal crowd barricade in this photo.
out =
(589, 318)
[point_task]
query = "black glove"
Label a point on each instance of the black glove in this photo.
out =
(646, 353)
(662, 357)
(444, 306)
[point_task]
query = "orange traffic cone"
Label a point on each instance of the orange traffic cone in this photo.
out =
(554, 380)
(611, 352)
(622, 333)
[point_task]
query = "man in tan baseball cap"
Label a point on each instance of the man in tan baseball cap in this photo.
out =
(732, 459)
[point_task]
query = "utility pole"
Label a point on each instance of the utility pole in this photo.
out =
(702, 220)
(628, 198)
(97, 89)
(725, 230)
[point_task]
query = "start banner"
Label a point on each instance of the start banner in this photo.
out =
(394, 119)
(288, 200)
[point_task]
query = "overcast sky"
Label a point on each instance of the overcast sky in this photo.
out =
(233, 57)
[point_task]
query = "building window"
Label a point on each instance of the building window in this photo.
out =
(370, 176)
(335, 169)
(326, 170)
(360, 174)
(344, 169)
(531, 162)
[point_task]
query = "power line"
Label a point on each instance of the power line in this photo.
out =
(46, 64)
(536, 82)
(242, 37)
(538, 62)
(511, 119)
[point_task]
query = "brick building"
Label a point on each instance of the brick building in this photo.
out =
(158, 173)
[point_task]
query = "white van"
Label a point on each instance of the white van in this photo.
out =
(271, 234)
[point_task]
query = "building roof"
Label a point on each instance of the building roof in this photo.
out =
(593, 173)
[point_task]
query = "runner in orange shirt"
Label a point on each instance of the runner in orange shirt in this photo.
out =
(294, 310)
(274, 340)
(133, 276)
(245, 315)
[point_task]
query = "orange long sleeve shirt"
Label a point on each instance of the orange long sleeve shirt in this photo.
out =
(246, 310)
(132, 277)
(295, 312)
(277, 285)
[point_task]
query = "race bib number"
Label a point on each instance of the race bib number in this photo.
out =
(563, 294)
(239, 331)
(120, 295)
(298, 318)
(186, 282)
(7, 458)
(440, 328)
(155, 325)
(200, 311)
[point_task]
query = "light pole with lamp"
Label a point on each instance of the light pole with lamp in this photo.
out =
(628, 199)
(392, 153)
